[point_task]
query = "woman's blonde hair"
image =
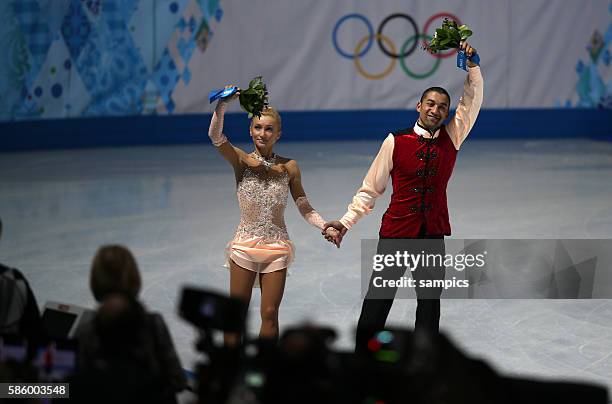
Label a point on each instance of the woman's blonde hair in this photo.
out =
(114, 270)
(271, 111)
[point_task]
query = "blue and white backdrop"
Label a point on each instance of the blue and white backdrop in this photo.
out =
(103, 58)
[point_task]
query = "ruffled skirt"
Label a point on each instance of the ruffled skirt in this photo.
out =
(260, 255)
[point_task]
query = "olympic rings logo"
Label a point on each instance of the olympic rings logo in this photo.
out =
(388, 47)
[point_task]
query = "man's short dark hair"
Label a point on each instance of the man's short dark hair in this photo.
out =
(438, 90)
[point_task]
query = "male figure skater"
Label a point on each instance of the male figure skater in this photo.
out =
(420, 161)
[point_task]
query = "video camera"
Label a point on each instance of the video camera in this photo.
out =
(391, 365)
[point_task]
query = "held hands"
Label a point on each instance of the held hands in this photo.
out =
(333, 232)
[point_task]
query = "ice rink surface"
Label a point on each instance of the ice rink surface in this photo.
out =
(175, 207)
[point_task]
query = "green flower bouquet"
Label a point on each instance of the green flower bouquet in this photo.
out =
(253, 100)
(448, 36)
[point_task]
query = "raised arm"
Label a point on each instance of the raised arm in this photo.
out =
(232, 154)
(469, 104)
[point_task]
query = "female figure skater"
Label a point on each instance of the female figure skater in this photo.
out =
(261, 245)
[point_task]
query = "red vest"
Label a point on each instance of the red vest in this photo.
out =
(421, 170)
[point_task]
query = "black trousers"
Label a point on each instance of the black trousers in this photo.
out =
(374, 311)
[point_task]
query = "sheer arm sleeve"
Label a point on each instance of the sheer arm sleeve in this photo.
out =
(374, 184)
(308, 213)
(215, 130)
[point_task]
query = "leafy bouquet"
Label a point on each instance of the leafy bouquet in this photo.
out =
(448, 36)
(253, 100)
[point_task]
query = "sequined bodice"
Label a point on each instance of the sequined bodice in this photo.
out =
(262, 198)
